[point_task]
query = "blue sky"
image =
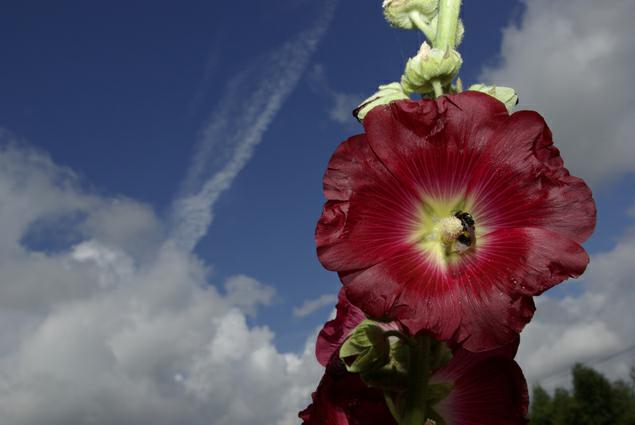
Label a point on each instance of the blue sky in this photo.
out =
(121, 95)
(235, 108)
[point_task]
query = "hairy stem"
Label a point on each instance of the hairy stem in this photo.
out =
(448, 24)
(423, 25)
(438, 89)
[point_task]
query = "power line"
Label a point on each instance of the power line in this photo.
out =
(610, 356)
(592, 362)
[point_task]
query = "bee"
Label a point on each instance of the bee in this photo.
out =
(467, 237)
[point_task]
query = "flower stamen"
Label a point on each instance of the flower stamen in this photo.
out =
(449, 229)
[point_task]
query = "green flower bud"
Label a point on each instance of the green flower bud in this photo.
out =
(386, 94)
(405, 13)
(428, 65)
(506, 95)
(367, 346)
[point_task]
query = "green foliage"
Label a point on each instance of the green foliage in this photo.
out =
(594, 400)
(541, 407)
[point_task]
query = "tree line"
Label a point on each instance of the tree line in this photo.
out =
(592, 400)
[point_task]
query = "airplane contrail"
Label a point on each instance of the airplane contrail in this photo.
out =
(238, 125)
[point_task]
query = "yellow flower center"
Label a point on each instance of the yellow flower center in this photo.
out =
(444, 231)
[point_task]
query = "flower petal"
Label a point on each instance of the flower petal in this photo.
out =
(528, 261)
(377, 225)
(399, 131)
(521, 182)
(488, 389)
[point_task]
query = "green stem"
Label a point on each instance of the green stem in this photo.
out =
(423, 25)
(392, 407)
(438, 89)
(418, 374)
(447, 24)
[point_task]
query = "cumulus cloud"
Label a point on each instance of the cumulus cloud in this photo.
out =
(573, 61)
(589, 327)
(112, 327)
(311, 306)
(106, 317)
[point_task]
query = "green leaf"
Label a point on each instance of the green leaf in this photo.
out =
(387, 93)
(507, 95)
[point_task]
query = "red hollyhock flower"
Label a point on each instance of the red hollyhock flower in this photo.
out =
(487, 387)
(449, 215)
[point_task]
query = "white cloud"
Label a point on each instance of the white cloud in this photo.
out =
(119, 329)
(106, 319)
(311, 306)
(251, 102)
(588, 327)
(573, 61)
(247, 293)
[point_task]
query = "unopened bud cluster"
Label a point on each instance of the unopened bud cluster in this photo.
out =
(405, 14)
(428, 65)
(432, 71)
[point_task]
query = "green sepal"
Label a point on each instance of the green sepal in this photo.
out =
(428, 65)
(393, 376)
(438, 392)
(367, 346)
(387, 93)
(507, 95)
(405, 14)
(440, 354)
